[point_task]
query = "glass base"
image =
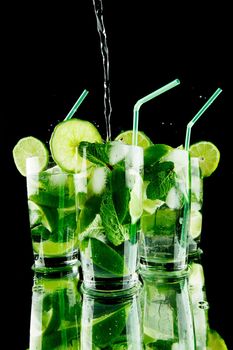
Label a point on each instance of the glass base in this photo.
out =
(195, 254)
(110, 293)
(111, 284)
(162, 265)
(44, 265)
(150, 272)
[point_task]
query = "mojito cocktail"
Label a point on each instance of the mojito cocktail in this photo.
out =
(109, 202)
(166, 205)
(52, 215)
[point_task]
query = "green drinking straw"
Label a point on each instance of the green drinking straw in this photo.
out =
(149, 97)
(197, 116)
(76, 105)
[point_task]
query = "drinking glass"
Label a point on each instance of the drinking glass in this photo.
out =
(166, 211)
(52, 216)
(109, 205)
(111, 320)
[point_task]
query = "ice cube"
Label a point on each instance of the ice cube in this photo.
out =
(174, 199)
(98, 180)
(118, 151)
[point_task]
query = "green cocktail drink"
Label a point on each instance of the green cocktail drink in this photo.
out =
(52, 215)
(55, 312)
(166, 205)
(109, 201)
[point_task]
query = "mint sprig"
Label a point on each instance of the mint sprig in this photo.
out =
(97, 153)
(114, 230)
(162, 177)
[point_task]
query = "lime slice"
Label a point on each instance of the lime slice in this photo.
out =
(53, 249)
(65, 139)
(195, 223)
(107, 328)
(29, 147)
(208, 155)
(136, 199)
(196, 276)
(127, 138)
(215, 341)
(44, 215)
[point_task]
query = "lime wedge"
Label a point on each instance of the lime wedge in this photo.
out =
(208, 155)
(29, 147)
(135, 203)
(107, 328)
(215, 341)
(54, 249)
(44, 215)
(65, 139)
(195, 223)
(127, 138)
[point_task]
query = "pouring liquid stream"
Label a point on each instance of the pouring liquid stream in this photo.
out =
(98, 7)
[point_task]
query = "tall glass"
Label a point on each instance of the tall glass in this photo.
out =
(111, 322)
(52, 216)
(55, 311)
(109, 202)
(167, 314)
(194, 236)
(166, 210)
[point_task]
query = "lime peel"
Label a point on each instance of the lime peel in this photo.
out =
(30, 147)
(127, 138)
(208, 154)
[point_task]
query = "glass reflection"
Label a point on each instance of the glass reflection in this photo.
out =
(55, 311)
(206, 338)
(111, 321)
(167, 314)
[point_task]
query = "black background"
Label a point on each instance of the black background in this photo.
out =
(51, 53)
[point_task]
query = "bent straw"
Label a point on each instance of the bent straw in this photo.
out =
(149, 97)
(76, 105)
(197, 116)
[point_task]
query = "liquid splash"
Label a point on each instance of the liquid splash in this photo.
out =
(98, 7)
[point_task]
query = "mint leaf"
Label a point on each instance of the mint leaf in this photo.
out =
(166, 221)
(96, 153)
(114, 230)
(120, 193)
(162, 181)
(154, 153)
(88, 213)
